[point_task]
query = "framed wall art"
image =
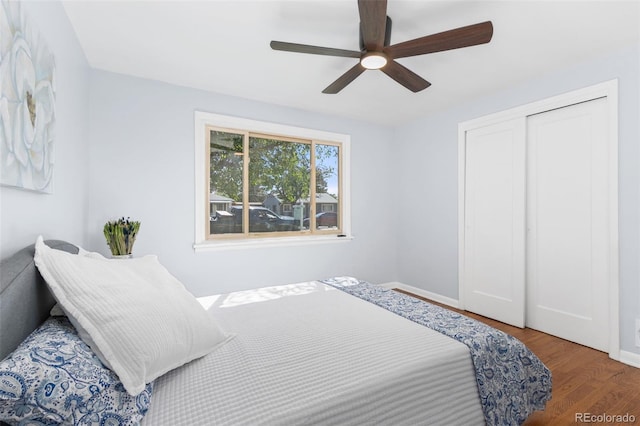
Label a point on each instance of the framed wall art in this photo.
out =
(27, 103)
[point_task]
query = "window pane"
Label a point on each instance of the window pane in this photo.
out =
(226, 168)
(327, 187)
(279, 182)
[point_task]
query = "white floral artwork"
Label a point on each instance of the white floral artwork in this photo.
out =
(27, 103)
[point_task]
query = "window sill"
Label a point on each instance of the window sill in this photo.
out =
(270, 242)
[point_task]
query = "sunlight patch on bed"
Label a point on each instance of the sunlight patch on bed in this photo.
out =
(266, 294)
(208, 301)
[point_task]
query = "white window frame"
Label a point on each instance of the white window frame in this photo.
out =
(204, 119)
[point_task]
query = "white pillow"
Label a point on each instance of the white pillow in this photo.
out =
(140, 318)
(57, 311)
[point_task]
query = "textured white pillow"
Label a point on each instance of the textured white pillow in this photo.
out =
(57, 311)
(140, 318)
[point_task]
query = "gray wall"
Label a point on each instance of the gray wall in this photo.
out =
(23, 214)
(142, 165)
(428, 249)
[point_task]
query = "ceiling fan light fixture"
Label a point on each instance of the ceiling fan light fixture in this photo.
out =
(373, 61)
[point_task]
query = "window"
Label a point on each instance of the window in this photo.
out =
(259, 181)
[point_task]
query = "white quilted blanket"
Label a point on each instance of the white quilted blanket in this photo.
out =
(310, 354)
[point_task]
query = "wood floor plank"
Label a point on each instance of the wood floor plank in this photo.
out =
(585, 381)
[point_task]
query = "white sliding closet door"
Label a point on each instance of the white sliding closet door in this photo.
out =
(494, 226)
(568, 224)
(538, 218)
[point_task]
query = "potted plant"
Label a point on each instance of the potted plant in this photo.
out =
(120, 235)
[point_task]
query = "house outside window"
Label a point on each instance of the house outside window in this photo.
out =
(287, 183)
(219, 203)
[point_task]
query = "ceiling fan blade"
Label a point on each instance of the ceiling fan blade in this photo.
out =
(470, 35)
(344, 79)
(405, 76)
(373, 21)
(314, 50)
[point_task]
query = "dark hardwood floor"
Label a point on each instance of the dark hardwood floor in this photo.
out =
(584, 380)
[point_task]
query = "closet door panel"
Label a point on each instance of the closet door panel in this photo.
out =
(567, 253)
(494, 214)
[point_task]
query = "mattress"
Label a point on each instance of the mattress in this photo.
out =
(310, 354)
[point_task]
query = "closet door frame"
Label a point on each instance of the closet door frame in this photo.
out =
(608, 89)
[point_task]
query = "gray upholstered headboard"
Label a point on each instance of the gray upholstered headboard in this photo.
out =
(25, 300)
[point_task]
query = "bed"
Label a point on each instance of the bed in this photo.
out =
(336, 351)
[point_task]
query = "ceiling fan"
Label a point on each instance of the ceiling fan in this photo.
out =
(376, 53)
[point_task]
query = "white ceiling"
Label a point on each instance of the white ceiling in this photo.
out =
(223, 47)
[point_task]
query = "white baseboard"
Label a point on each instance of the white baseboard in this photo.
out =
(630, 358)
(423, 293)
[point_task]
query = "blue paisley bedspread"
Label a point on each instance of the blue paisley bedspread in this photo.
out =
(512, 381)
